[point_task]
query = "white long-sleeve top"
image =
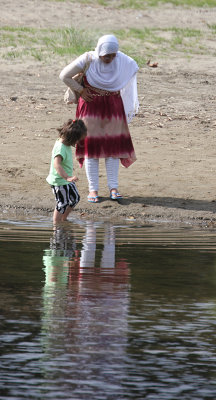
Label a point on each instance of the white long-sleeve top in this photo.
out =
(67, 74)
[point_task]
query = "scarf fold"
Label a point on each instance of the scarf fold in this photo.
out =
(130, 99)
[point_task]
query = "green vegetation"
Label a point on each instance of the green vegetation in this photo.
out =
(41, 43)
(141, 44)
(212, 27)
(142, 4)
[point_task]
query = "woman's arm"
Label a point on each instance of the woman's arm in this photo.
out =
(66, 76)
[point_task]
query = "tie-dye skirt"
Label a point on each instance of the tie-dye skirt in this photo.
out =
(107, 129)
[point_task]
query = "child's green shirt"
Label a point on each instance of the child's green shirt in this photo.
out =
(67, 163)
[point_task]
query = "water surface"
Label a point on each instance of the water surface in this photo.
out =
(96, 311)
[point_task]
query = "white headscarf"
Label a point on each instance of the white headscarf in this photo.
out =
(119, 74)
(107, 44)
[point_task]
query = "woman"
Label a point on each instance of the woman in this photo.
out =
(107, 102)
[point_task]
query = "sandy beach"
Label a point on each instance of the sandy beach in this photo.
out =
(173, 179)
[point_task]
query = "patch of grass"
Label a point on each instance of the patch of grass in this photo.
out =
(141, 44)
(39, 43)
(144, 43)
(187, 39)
(140, 36)
(142, 4)
(185, 32)
(20, 29)
(7, 40)
(103, 3)
(180, 37)
(11, 54)
(71, 41)
(141, 59)
(212, 27)
(36, 54)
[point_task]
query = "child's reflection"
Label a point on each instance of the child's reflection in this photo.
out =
(56, 258)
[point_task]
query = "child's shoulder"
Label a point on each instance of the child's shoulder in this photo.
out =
(59, 148)
(58, 144)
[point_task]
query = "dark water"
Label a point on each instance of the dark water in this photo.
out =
(99, 312)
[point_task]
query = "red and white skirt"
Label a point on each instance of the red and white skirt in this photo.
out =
(107, 129)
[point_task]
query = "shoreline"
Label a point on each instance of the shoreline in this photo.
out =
(154, 215)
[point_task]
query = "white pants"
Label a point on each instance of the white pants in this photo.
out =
(92, 172)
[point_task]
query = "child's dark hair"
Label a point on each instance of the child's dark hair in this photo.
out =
(72, 131)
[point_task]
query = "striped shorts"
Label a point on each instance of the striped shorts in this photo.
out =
(66, 195)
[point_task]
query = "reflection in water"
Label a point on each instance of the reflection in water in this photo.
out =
(100, 312)
(85, 313)
(55, 259)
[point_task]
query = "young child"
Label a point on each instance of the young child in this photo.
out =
(61, 169)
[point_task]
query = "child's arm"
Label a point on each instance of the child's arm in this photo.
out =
(61, 171)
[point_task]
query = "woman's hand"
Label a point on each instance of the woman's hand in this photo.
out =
(86, 94)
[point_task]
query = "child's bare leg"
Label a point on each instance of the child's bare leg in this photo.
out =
(57, 217)
(66, 213)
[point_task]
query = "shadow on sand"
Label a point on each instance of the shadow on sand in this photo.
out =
(171, 202)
